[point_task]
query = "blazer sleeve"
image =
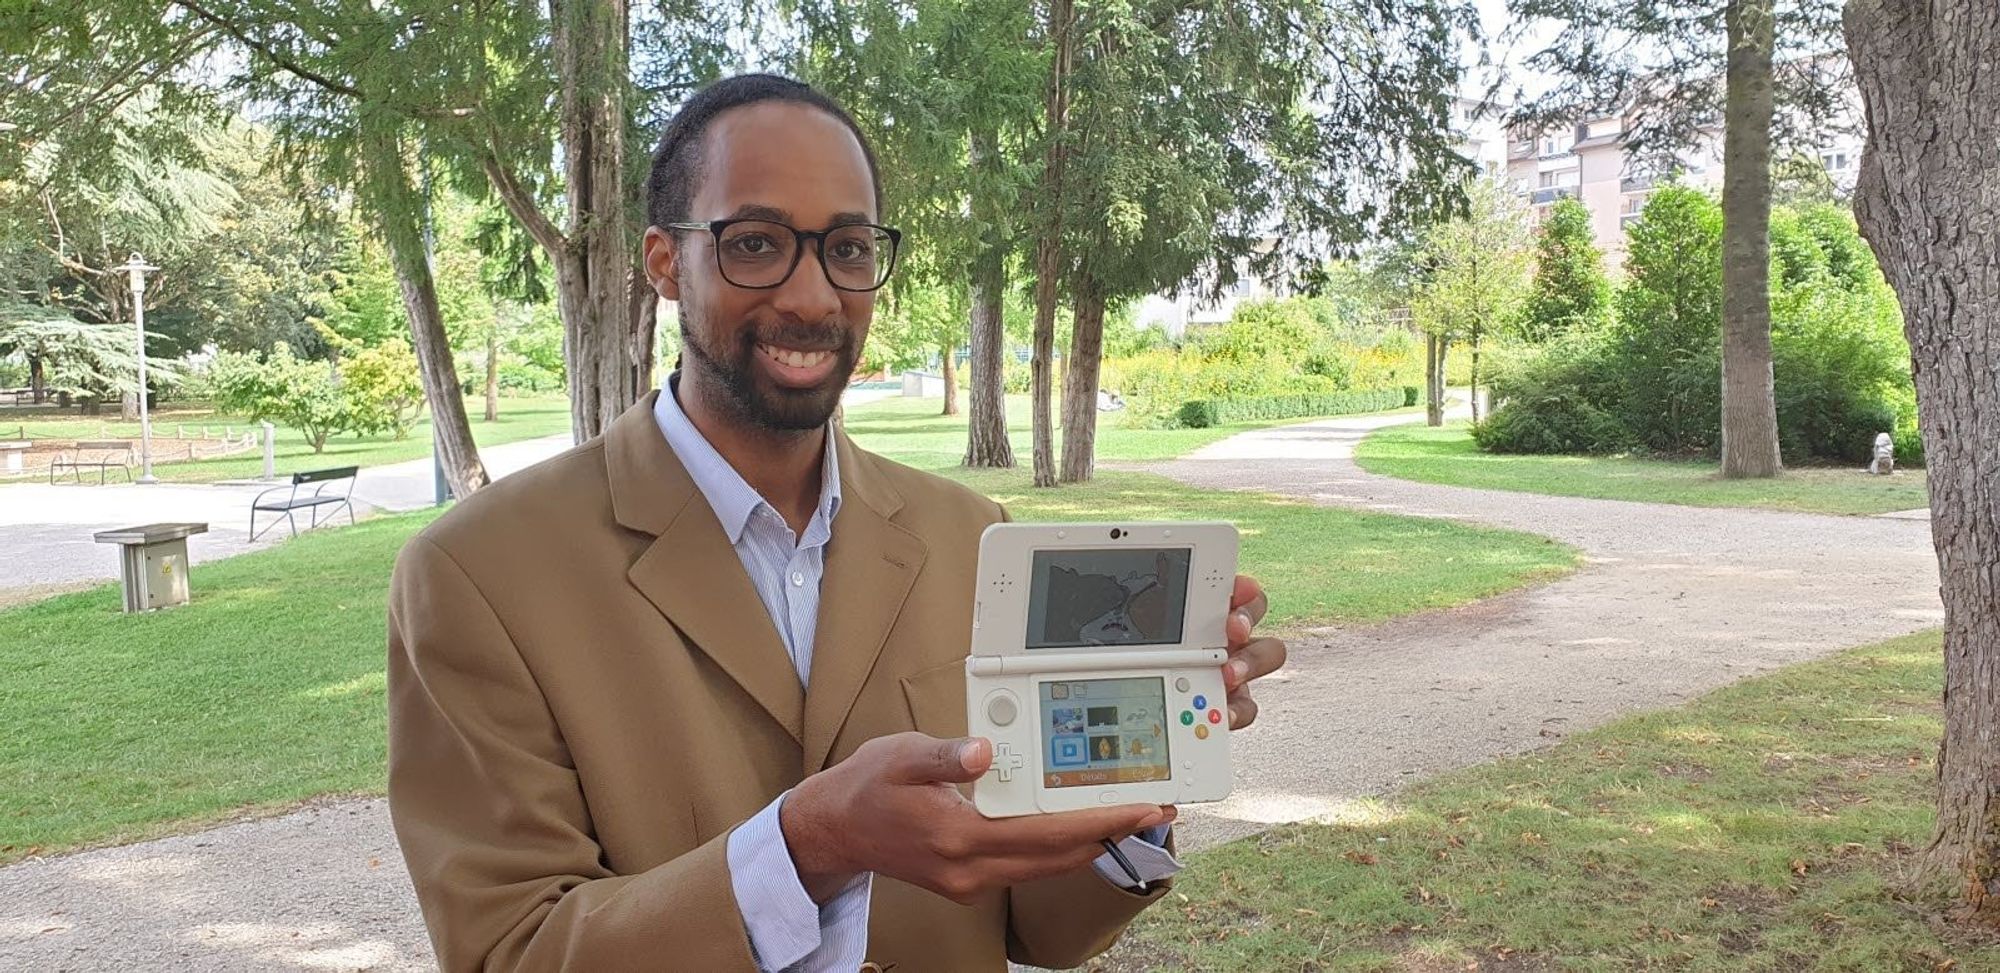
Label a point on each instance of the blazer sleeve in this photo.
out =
(1061, 921)
(491, 816)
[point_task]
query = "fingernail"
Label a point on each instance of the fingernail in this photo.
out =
(1238, 669)
(1244, 617)
(968, 752)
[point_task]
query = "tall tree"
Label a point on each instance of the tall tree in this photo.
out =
(1478, 273)
(1205, 146)
(1675, 71)
(1571, 292)
(1929, 203)
(1061, 39)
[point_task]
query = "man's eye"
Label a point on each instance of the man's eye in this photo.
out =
(753, 245)
(852, 250)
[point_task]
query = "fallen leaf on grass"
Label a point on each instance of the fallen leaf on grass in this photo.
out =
(1359, 857)
(1798, 866)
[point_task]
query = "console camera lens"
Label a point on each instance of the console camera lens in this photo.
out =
(1116, 533)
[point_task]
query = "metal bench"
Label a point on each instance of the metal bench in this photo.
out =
(102, 455)
(294, 501)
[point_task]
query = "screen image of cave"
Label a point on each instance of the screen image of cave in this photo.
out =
(1132, 596)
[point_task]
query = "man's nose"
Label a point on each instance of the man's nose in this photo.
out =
(808, 294)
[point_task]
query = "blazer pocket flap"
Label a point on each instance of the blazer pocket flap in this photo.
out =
(937, 699)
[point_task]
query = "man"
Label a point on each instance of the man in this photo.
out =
(691, 696)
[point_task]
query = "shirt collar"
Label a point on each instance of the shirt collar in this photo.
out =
(732, 498)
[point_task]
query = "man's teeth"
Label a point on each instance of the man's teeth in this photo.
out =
(796, 359)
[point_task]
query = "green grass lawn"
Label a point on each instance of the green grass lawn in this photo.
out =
(268, 689)
(520, 418)
(1767, 826)
(1449, 456)
(914, 431)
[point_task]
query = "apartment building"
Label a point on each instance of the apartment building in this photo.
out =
(1590, 163)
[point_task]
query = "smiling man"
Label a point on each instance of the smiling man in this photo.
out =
(691, 696)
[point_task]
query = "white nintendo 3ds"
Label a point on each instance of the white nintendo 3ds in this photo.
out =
(1096, 665)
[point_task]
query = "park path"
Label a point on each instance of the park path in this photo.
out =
(1671, 601)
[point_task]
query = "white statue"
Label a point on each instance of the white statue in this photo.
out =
(1885, 455)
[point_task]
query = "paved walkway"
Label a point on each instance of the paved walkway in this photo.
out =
(1672, 601)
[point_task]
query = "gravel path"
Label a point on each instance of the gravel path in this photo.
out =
(1671, 602)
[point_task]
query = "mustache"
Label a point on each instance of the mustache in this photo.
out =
(829, 335)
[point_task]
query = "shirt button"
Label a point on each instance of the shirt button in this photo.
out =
(798, 579)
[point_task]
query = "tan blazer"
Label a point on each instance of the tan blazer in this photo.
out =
(586, 696)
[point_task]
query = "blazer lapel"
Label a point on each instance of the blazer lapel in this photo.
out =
(871, 564)
(690, 573)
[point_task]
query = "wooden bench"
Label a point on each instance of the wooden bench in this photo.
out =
(102, 455)
(294, 501)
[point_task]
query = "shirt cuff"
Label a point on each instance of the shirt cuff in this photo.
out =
(1154, 865)
(786, 927)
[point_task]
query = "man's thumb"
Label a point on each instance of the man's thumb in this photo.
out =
(953, 761)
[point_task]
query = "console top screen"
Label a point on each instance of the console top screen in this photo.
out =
(1113, 596)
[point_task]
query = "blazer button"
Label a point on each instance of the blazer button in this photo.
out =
(871, 968)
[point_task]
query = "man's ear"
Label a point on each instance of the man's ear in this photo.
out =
(660, 253)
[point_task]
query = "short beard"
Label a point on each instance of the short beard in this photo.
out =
(732, 385)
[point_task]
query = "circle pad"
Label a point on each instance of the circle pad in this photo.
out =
(1001, 709)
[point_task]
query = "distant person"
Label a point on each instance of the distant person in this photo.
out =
(691, 696)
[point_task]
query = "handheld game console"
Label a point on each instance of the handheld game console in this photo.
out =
(1096, 665)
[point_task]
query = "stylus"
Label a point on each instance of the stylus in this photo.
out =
(1124, 863)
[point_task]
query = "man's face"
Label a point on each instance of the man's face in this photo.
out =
(777, 359)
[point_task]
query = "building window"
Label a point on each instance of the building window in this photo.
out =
(1835, 161)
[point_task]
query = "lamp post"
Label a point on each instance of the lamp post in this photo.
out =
(137, 267)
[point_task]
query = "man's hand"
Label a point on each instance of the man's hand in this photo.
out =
(1248, 658)
(893, 808)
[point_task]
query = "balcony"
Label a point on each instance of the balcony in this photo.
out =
(1521, 150)
(1551, 194)
(1636, 184)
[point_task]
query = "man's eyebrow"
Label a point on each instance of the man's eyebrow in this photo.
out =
(843, 219)
(754, 211)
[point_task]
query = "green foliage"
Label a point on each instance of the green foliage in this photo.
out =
(80, 358)
(1652, 380)
(383, 390)
(1202, 413)
(1668, 340)
(918, 323)
(281, 387)
(1571, 290)
(1476, 266)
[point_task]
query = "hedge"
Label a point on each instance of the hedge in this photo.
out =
(1201, 413)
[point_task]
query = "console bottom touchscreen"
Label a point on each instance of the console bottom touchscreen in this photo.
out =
(1104, 731)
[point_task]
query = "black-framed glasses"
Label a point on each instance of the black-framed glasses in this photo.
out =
(761, 254)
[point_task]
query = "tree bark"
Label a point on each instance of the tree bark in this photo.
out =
(1749, 401)
(949, 369)
(493, 372)
(398, 211)
(986, 433)
(37, 381)
(1048, 246)
(1928, 200)
(1434, 349)
(1080, 382)
(1476, 335)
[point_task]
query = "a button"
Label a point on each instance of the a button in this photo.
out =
(1006, 761)
(1187, 765)
(1201, 732)
(1201, 702)
(1108, 797)
(1001, 709)
(1187, 718)
(1215, 716)
(1181, 685)
(798, 579)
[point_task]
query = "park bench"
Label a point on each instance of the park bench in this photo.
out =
(294, 501)
(102, 455)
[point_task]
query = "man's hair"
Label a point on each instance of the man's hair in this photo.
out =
(677, 162)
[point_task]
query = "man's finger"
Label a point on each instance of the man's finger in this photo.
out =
(1248, 598)
(921, 759)
(1242, 709)
(1253, 660)
(1065, 830)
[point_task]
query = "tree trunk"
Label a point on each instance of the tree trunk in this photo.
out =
(986, 435)
(493, 372)
(398, 210)
(1749, 402)
(949, 369)
(1433, 379)
(128, 406)
(1080, 380)
(1048, 247)
(1928, 200)
(607, 335)
(1476, 335)
(644, 313)
(37, 381)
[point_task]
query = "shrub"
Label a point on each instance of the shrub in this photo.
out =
(383, 390)
(1202, 413)
(1556, 401)
(300, 392)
